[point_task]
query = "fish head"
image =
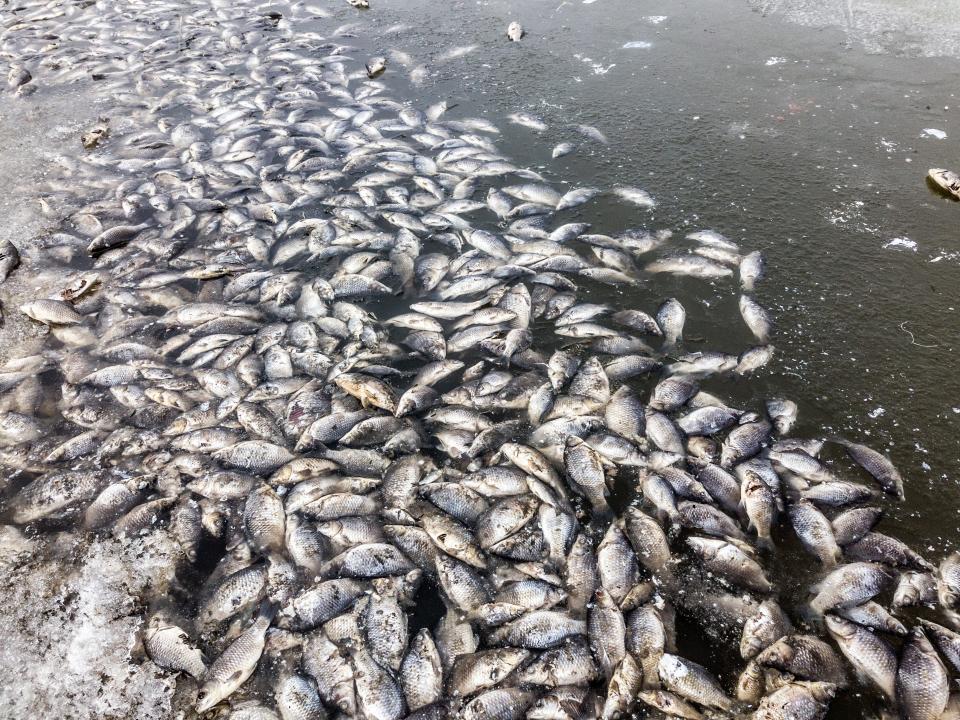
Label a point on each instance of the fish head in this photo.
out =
(778, 654)
(840, 627)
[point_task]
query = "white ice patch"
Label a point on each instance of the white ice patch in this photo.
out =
(637, 45)
(68, 625)
(902, 242)
(655, 19)
(934, 133)
(775, 61)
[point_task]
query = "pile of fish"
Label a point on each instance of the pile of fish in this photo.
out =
(341, 351)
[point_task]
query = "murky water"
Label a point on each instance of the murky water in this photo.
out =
(792, 129)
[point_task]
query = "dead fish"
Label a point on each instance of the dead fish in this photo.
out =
(752, 269)
(18, 76)
(878, 465)
(9, 258)
(237, 663)
(869, 654)
(51, 312)
(797, 700)
(170, 648)
(376, 66)
(528, 120)
(693, 682)
(922, 684)
(636, 196)
(592, 133)
(947, 180)
(670, 319)
(689, 265)
(756, 318)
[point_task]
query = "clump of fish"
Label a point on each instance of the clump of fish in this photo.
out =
(343, 353)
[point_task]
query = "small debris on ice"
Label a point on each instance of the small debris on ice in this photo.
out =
(637, 45)
(92, 138)
(934, 133)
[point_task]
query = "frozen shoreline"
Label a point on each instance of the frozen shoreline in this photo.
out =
(896, 27)
(36, 132)
(70, 624)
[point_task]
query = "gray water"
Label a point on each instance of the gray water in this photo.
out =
(791, 126)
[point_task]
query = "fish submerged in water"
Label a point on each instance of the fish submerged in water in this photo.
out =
(528, 120)
(343, 356)
(636, 196)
